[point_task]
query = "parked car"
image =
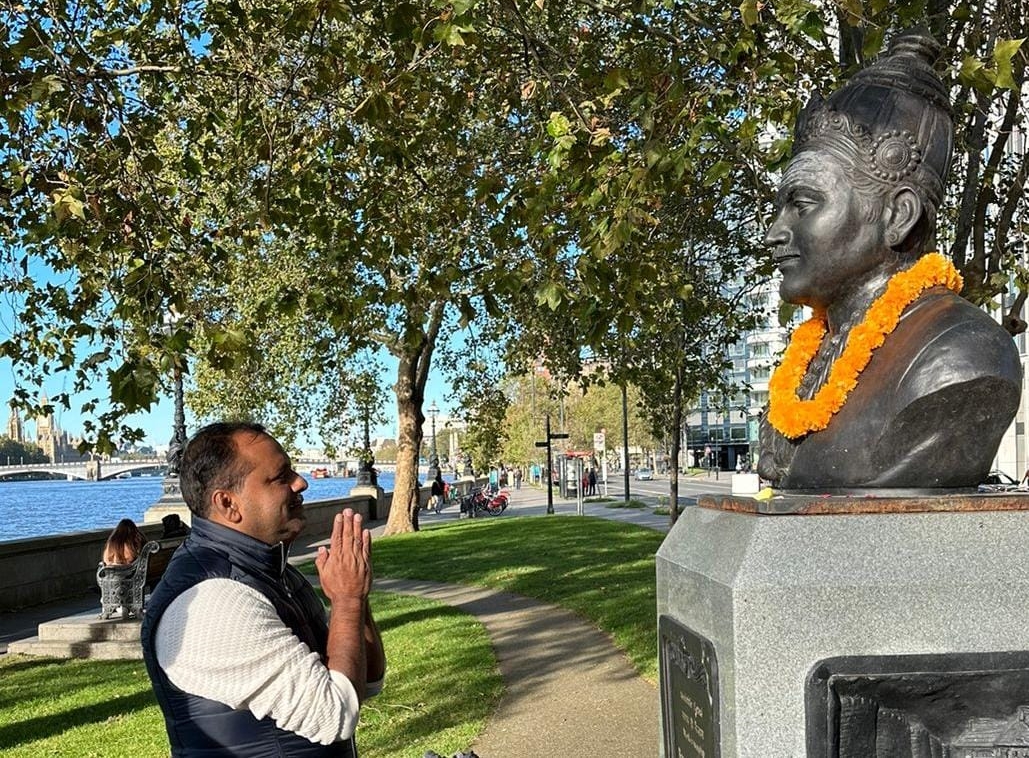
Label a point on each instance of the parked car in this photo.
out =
(644, 474)
(998, 481)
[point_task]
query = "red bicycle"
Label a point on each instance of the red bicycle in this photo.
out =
(481, 501)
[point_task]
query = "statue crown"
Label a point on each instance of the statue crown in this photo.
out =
(890, 156)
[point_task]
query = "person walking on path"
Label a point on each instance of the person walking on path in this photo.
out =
(241, 657)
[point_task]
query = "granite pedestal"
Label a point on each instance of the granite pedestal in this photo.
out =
(759, 606)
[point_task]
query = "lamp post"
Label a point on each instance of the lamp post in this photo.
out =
(171, 494)
(433, 471)
(366, 476)
(178, 440)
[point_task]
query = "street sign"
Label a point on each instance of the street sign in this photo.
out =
(599, 442)
(562, 436)
(541, 444)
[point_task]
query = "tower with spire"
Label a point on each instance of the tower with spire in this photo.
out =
(15, 431)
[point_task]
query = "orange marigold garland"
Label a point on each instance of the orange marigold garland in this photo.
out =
(794, 417)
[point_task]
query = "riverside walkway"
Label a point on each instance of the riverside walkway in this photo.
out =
(567, 689)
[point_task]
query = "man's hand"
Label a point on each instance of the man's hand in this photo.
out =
(345, 567)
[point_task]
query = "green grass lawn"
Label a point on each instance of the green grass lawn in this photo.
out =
(442, 680)
(442, 685)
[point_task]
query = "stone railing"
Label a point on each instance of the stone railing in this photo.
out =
(43, 569)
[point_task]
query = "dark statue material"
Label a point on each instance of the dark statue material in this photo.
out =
(857, 206)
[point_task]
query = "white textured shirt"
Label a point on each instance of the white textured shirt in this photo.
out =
(223, 641)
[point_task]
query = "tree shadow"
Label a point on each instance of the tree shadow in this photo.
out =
(41, 727)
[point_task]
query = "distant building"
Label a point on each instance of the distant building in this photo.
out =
(721, 432)
(53, 441)
(15, 431)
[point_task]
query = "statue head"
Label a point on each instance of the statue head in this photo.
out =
(876, 154)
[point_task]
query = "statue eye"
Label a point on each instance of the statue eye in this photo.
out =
(803, 203)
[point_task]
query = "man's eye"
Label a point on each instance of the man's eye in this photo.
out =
(803, 204)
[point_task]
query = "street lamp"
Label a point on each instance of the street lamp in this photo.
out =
(178, 440)
(433, 471)
(366, 476)
(171, 494)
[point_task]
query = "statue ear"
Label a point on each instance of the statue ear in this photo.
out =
(903, 212)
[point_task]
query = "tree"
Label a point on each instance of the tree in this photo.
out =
(12, 451)
(350, 176)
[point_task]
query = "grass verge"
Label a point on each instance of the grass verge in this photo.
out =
(632, 503)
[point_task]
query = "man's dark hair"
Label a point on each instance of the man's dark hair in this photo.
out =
(211, 461)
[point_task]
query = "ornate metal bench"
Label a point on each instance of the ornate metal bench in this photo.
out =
(122, 586)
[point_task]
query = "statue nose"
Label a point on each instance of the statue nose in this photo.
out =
(777, 233)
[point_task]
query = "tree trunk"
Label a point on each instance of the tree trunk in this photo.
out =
(402, 515)
(414, 353)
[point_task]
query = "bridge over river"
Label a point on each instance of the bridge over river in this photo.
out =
(92, 470)
(98, 470)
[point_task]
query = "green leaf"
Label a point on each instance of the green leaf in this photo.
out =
(558, 125)
(962, 12)
(615, 80)
(1003, 52)
(973, 73)
(748, 12)
(718, 171)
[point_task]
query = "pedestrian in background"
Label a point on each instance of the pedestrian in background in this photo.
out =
(124, 544)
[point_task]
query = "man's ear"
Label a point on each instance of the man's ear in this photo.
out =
(902, 213)
(225, 506)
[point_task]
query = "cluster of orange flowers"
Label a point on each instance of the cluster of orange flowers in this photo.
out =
(794, 417)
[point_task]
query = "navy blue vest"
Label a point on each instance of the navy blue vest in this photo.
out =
(198, 727)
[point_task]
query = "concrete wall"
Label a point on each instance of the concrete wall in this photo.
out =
(43, 569)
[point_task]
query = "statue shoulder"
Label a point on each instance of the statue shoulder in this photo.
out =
(950, 342)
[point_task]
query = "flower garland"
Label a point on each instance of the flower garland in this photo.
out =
(794, 417)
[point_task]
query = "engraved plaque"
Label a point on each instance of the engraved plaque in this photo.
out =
(689, 692)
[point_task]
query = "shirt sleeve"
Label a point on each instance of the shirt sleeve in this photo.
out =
(223, 640)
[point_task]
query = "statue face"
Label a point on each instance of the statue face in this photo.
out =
(824, 243)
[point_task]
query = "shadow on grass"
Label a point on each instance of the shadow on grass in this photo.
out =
(42, 727)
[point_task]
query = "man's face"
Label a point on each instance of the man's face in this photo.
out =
(269, 498)
(823, 244)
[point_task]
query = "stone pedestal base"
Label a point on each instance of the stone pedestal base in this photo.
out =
(171, 502)
(375, 492)
(750, 603)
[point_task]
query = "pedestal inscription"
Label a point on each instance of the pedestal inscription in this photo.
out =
(689, 692)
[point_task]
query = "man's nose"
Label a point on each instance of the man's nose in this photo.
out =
(299, 484)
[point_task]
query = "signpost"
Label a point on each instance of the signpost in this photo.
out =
(550, 463)
(600, 448)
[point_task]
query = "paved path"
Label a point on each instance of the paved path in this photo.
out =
(567, 690)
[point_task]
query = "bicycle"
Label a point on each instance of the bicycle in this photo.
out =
(481, 501)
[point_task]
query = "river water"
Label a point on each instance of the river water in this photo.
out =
(37, 509)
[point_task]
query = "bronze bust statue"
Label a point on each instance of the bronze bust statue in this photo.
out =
(896, 382)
